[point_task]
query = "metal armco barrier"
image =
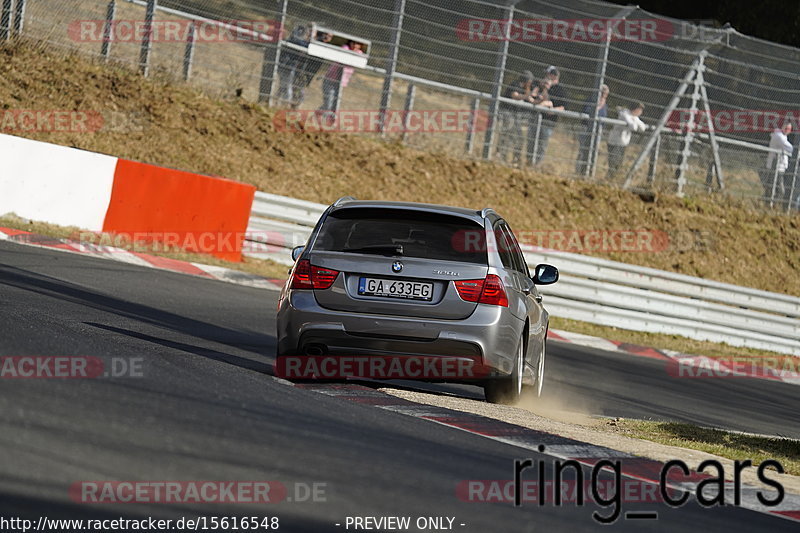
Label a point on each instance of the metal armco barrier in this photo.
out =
(594, 290)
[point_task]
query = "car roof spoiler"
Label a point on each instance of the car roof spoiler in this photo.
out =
(342, 200)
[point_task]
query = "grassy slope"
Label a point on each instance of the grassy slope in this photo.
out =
(235, 139)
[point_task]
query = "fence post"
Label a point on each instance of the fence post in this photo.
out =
(588, 169)
(595, 154)
(19, 17)
(272, 56)
(594, 140)
(794, 183)
(651, 171)
(6, 16)
(391, 61)
(188, 54)
(147, 45)
(108, 29)
(411, 94)
(530, 157)
(775, 180)
(469, 144)
(339, 91)
(497, 87)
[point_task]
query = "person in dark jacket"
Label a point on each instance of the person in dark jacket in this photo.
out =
(288, 66)
(537, 143)
(307, 68)
(512, 117)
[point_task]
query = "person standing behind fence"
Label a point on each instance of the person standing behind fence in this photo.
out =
(537, 144)
(307, 68)
(512, 117)
(288, 66)
(541, 97)
(541, 93)
(777, 185)
(597, 108)
(620, 136)
(337, 76)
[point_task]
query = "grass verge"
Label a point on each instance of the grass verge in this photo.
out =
(675, 342)
(734, 446)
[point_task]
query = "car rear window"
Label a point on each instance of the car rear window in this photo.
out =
(420, 233)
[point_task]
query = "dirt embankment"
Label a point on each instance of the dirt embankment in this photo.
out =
(176, 126)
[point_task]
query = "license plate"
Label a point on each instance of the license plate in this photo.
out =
(395, 288)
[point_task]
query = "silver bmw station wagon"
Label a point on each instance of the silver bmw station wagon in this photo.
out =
(381, 280)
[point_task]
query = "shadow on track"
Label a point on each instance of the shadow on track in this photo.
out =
(68, 292)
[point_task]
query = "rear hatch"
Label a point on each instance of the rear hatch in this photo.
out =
(396, 261)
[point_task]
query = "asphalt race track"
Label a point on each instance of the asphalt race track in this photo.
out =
(206, 408)
(605, 383)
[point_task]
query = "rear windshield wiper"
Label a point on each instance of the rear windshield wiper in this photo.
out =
(380, 249)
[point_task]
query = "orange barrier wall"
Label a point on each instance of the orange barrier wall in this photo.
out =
(197, 213)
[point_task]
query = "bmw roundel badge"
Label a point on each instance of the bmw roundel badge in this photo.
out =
(397, 266)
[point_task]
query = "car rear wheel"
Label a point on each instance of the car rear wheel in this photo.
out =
(507, 390)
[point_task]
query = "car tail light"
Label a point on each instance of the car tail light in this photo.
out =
(301, 277)
(469, 289)
(483, 291)
(493, 291)
(308, 276)
(323, 278)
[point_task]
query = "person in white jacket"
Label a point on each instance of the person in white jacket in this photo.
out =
(620, 136)
(778, 141)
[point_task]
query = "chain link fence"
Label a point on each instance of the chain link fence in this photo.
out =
(715, 102)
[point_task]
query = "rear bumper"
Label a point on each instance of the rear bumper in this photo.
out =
(489, 335)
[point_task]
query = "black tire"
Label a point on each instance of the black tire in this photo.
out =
(507, 390)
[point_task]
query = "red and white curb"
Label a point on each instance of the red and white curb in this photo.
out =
(686, 365)
(556, 446)
(140, 259)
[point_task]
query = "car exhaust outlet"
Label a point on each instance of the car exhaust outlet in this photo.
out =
(315, 349)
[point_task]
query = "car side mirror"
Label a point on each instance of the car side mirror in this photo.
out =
(297, 251)
(545, 274)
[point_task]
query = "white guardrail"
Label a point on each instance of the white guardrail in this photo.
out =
(592, 289)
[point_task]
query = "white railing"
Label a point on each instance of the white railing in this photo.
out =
(595, 290)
